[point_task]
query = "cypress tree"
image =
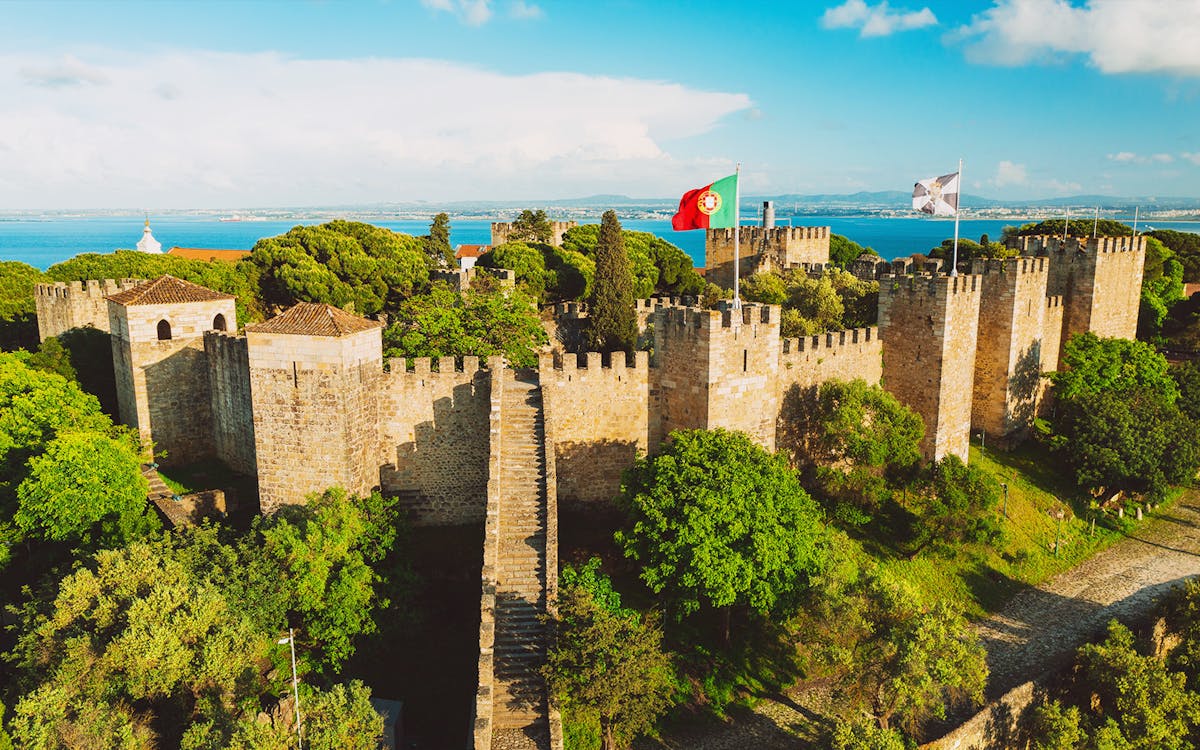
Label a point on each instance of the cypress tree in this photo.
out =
(439, 241)
(614, 321)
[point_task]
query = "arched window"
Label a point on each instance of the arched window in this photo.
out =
(164, 330)
(219, 322)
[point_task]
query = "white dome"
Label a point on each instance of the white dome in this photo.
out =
(148, 244)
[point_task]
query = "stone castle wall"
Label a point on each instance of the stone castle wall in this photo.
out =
(316, 411)
(929, 327)
(1008, 355)
(232, 407)
(502, 229)
(598, 418)
(163, 385)
(841, 355)
(433, 426)
(62, 306)
(760, 248)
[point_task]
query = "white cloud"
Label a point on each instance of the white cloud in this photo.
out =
(1129, 157)
(1123, 156)
(470, 12)
(1008, 173)
(208, 128)
(65, 73)
(1194, 158)
(524, 10)
(1117, 36)
(875, 20)
(1162, 158)
(1063, 187)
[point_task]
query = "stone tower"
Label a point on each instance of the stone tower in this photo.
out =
(1009, 352)
(160, 365)
(502, 229)
(762, 249)
(718, 368)
(928, 325)
(315, 379)
(1099, 279)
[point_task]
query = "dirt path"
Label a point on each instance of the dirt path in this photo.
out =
(1038, 630)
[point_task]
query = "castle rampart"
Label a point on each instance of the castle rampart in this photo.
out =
(62, 306)
(929, 327)
(433, 426)
(501, 230)
(762, 249)
(598, 418)
(842, 355)
(232, 407)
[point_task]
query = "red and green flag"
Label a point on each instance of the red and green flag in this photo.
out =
(710, 207)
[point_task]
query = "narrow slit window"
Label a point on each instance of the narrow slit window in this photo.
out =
(745, 359)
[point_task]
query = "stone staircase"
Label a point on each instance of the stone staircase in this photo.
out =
(520, 714)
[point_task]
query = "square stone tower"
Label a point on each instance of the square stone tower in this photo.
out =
(1009, 352)
(315, 380)
(762, 249)
(929, 325)
(161, 368)
(717, 368)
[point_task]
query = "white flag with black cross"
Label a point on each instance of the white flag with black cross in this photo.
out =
(937, 195)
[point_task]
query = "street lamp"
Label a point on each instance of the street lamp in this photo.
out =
(1004, 485)
(291, 641)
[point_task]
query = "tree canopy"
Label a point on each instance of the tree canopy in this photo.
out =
(438, 242)
(843, 251)
(835, 301)
(483, 321)
(545, 273)
(1186, 247)
(658, 267)
(715, 520)
(612, 322)
(351, 265)
(1075, 228)
(531, 226)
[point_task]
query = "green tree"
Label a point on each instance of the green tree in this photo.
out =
(1149, 703)
(1077, 228)
(86, 489)
(862, 736)
(1056, 727)
(606, 660)
(766, 288)
(532, 226)
(347, 264)
(844, 251)
(891, 654)
(1093, 365)
(18, 323)
(658, 267)
(1162, 287)
(51, 356)
(439, 241)
(527, 261)
(956, 505)
(612, 320)
(716, 520)
(1185, 246)
(483, 321)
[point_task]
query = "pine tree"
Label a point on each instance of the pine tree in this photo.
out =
(439, 240)
(614, 321)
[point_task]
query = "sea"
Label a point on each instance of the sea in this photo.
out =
(42, 242)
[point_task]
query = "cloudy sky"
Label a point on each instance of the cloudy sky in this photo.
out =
(178, 105)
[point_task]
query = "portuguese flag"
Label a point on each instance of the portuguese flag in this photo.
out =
(710, 207)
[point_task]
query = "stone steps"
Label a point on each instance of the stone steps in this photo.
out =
(519, 707)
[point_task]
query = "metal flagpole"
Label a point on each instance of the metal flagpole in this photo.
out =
(1135, 212)
(1096, 225)
(737, 233)
(957, 204)
(1066, 224)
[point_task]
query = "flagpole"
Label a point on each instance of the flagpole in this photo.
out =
(957, 203)
(737, 233)
(1096, 225)
(1135, 212)
(1066, 224)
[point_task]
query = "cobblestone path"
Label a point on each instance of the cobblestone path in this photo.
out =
(1038, 630)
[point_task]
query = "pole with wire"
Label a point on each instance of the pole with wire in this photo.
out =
(737, 232)
(957, 203)
(291, 641)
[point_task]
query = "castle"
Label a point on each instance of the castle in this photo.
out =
(305, 401)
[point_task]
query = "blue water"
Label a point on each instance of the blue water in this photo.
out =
(42, 243)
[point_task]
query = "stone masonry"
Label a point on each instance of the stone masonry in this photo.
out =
(762, 249)
(62, 306)
(502, 229)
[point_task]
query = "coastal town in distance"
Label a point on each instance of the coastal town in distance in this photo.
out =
(523, 376)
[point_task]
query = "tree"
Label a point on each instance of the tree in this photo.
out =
(483, 321)
(1095, 365)
(51, 356)
(527, 261)
(439, 241)
(1162, 287)
(1077, 228)
(531, 226)
(658, 267)
(891, 654)
(1185, 246)
(844, 251)
(346, 264)
(766, 288)
(956, 505)
(18, 322)
(86, 489)
(1055, 727)
(716, 520)
(862, 736)
(612, 319)
(607, 660)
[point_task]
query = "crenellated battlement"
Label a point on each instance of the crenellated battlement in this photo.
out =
(1053, 301)
(91, 289)
(502, 229)
(770, 234)
(1051, 245)
(558, 364)
(429, 366)
(682, 320)
(1021, 265)
(461, 279)
(831, 340)
(937, 284)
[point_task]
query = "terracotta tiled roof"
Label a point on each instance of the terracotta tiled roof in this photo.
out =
(166, 290)
(209, 254)
(312, 319)
(1190, 289)
(471, 251)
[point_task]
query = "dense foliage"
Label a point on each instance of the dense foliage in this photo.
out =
(437, 242)
(843, 251)
(1185, 246)
(545, 273)
(176, 636)
(658, 267)
(835, 301)
(1118, 423)
(612, 322)
(1075, 228)
(351, 265)
(607, 664)
(717, 521)
(531, 226)
(483, 321)
(18, 324)
(969, 251)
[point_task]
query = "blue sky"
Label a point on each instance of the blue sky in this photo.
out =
(222, 104)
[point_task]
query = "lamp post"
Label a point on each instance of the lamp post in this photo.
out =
(1004, 486)
(291, 641)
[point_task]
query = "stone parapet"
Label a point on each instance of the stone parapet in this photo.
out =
(62, 306)
(481, 725)
(501, 230)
